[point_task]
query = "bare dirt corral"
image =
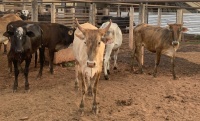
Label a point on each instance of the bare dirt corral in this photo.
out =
(125, 97)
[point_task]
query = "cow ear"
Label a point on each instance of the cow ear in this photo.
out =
(30, 34)
(70, 32)
(184, 29)
(104, 30)
(8, 34)
(80, 36)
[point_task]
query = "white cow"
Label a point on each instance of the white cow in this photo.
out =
(113, 40)
(88, 50)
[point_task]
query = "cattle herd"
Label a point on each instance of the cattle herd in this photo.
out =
(92, 47)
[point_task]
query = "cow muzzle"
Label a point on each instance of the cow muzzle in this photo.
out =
(175, 43)
(91, 64)
(19, 50)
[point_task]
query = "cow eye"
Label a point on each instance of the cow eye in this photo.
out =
(85, 42)
(99, 43)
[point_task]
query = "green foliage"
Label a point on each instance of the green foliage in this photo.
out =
(69, 64)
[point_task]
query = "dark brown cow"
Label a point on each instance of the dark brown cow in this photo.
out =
(55, 36)
(157, 40)
(25, 41)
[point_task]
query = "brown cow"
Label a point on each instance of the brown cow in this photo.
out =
(88, 50)
(3, 23)
(157, 40)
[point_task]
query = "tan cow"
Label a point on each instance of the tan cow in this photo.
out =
(88, 50)
(157, 40)
(3, 23)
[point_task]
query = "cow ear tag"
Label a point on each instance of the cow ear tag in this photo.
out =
(70, 32)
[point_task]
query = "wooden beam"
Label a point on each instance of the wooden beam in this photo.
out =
(53, 13)
(179, 16)
(159, 16)
(131, 19)
(34, 11)
(141, 20)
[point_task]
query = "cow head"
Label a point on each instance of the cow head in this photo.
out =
(24, 14)
(109, 35)
(176, 30)
(92, 40)
(19, 38)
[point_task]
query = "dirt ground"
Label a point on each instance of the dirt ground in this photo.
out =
(125, 97)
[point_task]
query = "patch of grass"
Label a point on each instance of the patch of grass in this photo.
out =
(68, 64)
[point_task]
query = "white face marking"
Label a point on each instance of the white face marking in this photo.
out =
(19, 32)
(25, 12)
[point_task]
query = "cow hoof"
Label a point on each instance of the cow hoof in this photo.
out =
(138, 72)
(106, 77)
(39, 76)
(14, 91)
(108, 71)
(115, 68)
(81, 109)
(76, 88)
(154, 75)
(95, 109)
(175, 78)
(27, 91)
(90, 91)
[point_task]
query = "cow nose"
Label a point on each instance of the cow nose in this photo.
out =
(174, 43)
(91, 64)
(19, 51)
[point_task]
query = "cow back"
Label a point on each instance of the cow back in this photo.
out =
(56, 36)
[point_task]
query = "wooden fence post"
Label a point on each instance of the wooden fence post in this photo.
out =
(159, 16)
(105, 11)
(73, 16)
(131, 19)
(141, 20)
(53, 13)
(34, 11)
(92, 13)
(179, 19)
(179, 16)
(118, 11)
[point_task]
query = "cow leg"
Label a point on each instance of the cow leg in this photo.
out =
(9, 62)
(36, 57)
(76, 75)
(83, 93)
(157, 61)
(173, 65)
(26, 71)
(0, 46)
(138, 55)
(106, 59)
(89, 86)
(115, 58)
(132, 59)
(41, 53)
(15, 63)
(51, 55)
(95, 107)
(5, 48)
(108, 67)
